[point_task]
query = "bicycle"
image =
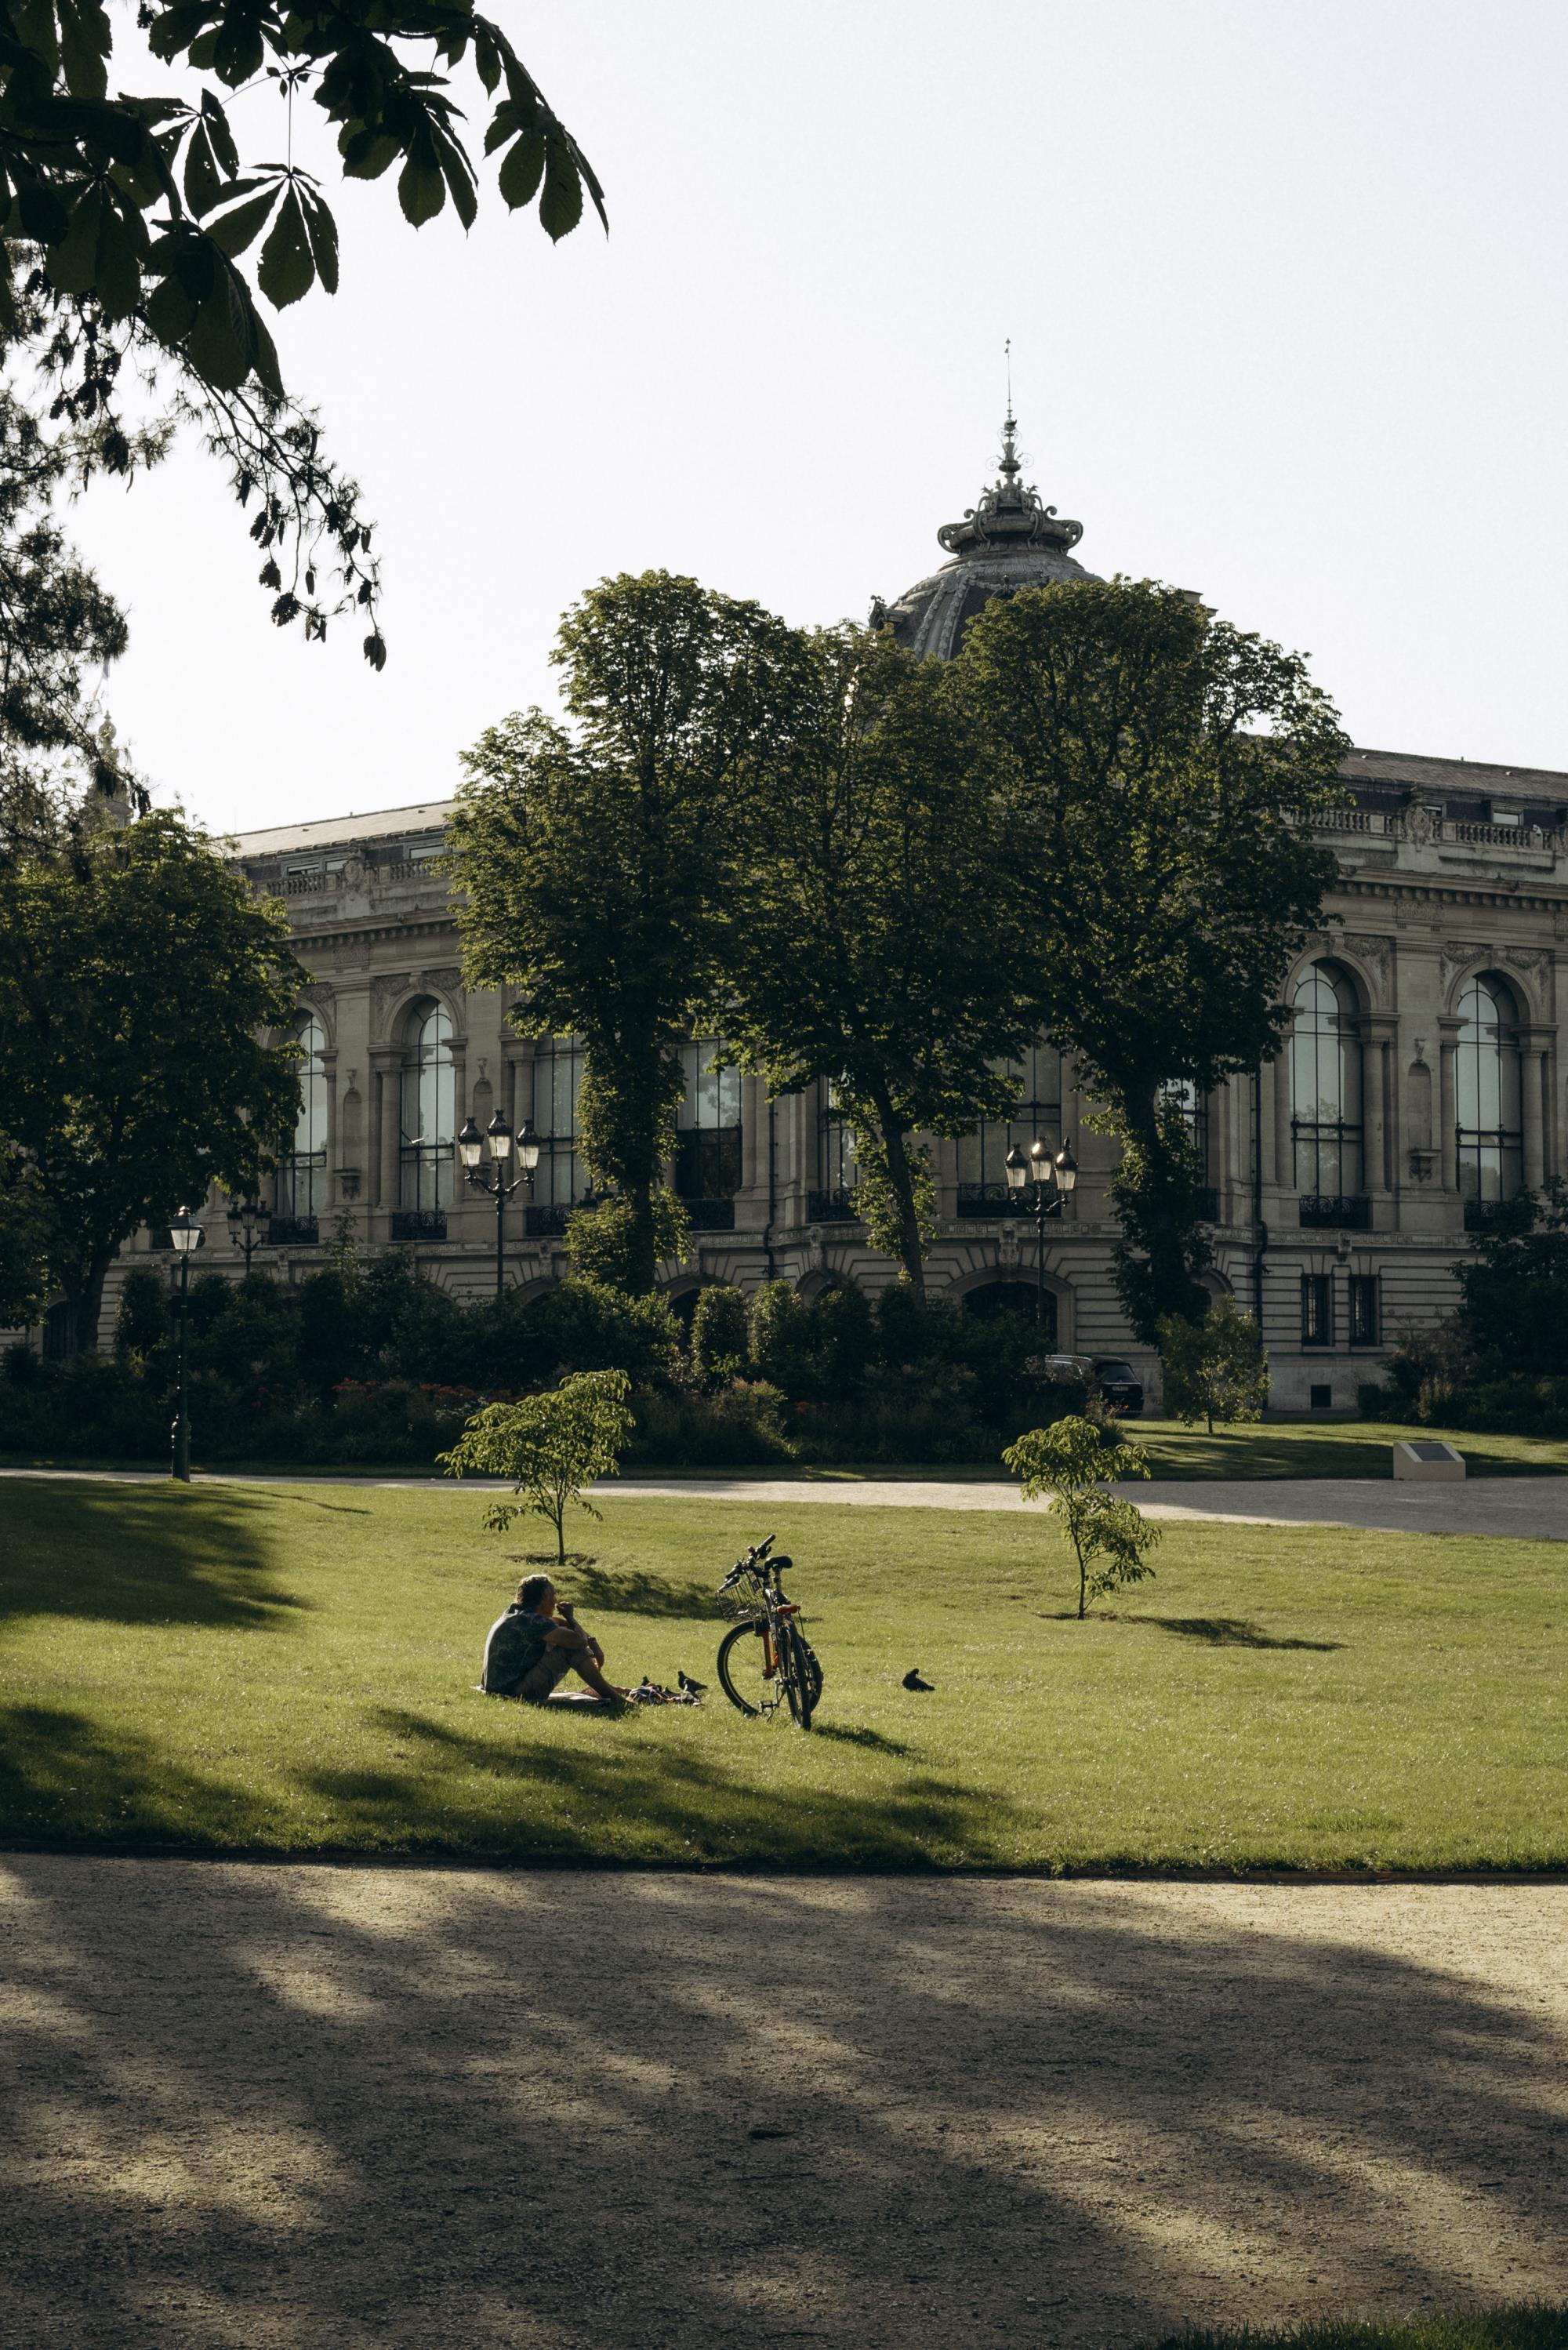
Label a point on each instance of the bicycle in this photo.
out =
(766, 1660)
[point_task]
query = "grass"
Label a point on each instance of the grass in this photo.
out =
(289, 1669)
(1525, 2326)
(1277, 1448)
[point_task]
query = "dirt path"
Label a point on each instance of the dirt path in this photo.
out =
(315, 2108)
(1532, 1508)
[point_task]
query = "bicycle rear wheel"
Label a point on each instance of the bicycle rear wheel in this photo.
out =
(743, 1654)
(804, 1680)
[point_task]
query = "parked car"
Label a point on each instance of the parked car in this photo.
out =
(1119, 1383)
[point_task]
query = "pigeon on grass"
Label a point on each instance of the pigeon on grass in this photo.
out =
(913, 1680)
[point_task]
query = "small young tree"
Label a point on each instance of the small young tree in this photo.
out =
(551, 1446)
(1073, 1461)
(1513, 1314)
(1215, 1369)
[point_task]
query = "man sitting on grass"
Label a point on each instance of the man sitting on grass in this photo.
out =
(536, 1643)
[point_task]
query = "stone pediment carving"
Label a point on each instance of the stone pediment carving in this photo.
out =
(1375, 951)
(385, 991)
(447, 980)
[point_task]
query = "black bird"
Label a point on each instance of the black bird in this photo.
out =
(694, 1689)
(912, 1680)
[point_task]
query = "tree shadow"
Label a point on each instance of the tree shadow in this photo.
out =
(631, 1591)
(1229, 1632)
(142, 1555)
(836, 1732)
(303, 2104)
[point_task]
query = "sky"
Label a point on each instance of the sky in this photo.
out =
(1284, 286)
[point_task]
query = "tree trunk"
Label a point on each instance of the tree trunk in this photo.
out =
(896, 1160)
(87, 1304)
(642, 1266)
(1161, 1232)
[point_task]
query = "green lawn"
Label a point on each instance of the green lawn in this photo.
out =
(290, 1669)
(1284, 1448)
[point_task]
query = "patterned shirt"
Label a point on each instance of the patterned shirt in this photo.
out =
(515, 1646)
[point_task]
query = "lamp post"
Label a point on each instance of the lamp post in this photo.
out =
(1048, 1182)
(491, 1177)
(185, 1237)
(248, 1223)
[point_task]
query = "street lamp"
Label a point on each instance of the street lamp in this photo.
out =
(1048, 1182)
(491, 1178)
(185, 1237)
(248, 1223)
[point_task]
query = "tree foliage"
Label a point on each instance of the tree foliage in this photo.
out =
(134, 227)
(1074, 1462)
(1160, 769)
(138, 979)
(872, 945)
(602, 1241)
(550, 1445)
(1215, 1369)
(1513, 1309)
(593, 861)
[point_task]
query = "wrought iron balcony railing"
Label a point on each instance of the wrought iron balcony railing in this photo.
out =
(419, 1224)
(1320, 1213)
(710, 1216)
(1485, 1215)
(549, 1222)
(831, 1208)
(992, 1199)
(292, 1232)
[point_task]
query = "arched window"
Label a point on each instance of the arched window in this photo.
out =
(428, 1109)
(561, 1180)
(708, 1124)
(982, 1173)
(1325, 1086)
(1020, 1299)
(1486, 1093)
(302, 1175)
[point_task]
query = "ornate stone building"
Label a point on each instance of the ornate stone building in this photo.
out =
(1420, 1082)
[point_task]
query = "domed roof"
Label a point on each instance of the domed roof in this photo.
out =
(1010, 540)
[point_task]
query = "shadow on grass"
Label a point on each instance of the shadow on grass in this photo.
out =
(64, 1782)
(142, 1555)
(836, 1734)
(643, 1795)
(631, 1591)
(1228, 1632)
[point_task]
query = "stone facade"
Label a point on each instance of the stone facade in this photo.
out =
(1449, 873)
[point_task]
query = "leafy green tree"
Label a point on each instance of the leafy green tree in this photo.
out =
(551, 1447)
(779, 1337)
(26, 1241)
(719, 1334)
(1215, 1369)
(592, 859)
(602, 1241)
(138, 980)
(137, 237)
(1074, 1462)
(873, 944)
(1160, 769)
(1513, 1309)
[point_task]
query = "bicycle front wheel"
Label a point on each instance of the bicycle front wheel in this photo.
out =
(804, 1677)
(743, 1656)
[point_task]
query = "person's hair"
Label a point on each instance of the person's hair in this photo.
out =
(532, 1589)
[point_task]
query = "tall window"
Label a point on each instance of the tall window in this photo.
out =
(302, 1176)
(558, 1077)
(1317, 1309)
(982, 1176)
(1365, 1317)
(708, 1127)
(1486, 1093)
(1194, 1109)
(836, 1171)
(1325, 1086)
(428, 1109)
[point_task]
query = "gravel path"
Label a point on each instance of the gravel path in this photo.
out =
(1532, 1508)
(318, 2108)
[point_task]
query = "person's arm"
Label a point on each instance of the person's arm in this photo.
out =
(568, 1617)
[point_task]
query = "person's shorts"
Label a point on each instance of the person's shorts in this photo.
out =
(540, 1682)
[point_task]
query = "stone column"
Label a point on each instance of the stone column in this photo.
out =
(1377, 1029)
(1534, 1102)
(1285, 1154)
(329, 1072)
(386, 1065)
(1448, 1029)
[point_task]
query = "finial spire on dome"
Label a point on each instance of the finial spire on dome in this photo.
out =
(1008, 513)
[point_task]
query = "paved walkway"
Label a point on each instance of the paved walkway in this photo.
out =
(1530, 1507)
(316, 2108)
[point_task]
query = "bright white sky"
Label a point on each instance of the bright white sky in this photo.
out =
(1284, 285)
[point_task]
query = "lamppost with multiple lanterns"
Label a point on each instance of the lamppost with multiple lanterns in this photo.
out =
(1048, 1182)
(185, 1237)
(248, 1223)
(491, 1177)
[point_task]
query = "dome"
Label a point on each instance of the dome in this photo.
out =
(1010, 540)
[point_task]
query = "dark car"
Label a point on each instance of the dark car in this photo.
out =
(1119, 1383)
